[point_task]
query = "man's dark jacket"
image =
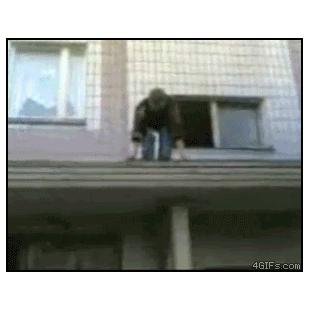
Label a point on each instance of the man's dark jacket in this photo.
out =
(169, 116)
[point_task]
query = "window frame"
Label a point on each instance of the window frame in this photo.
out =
(64, 52)
(214, 102)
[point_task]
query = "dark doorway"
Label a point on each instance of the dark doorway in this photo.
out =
(197, 123)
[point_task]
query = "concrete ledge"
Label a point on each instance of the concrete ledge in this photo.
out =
(154, 174)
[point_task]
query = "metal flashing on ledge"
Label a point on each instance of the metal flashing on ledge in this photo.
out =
(39, 121)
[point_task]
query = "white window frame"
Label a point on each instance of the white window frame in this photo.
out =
(64, 52)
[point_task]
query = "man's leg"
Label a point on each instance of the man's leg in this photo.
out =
(148, 146)
(165, 145)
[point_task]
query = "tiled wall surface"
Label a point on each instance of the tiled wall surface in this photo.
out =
(227, 68)
(295, 49)
(93, 84)
(121, 73)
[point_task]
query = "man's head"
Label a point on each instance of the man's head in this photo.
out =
(157, 99)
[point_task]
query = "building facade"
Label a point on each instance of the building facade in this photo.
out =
(74, 203)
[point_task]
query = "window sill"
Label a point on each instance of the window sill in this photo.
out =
(46, 121)
(208, 149)
(229, 154)
(257, 148)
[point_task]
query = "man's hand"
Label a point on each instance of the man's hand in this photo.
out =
(180, 147)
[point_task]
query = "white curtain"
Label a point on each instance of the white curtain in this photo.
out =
(35, 85)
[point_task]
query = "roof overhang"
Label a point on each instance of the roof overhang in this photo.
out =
(83, 188)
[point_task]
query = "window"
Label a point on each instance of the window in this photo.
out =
(47, 82)
(226, 123)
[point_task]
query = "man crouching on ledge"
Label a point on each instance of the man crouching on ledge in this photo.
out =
(157, 126)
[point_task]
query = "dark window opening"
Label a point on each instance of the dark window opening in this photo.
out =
(197, 124)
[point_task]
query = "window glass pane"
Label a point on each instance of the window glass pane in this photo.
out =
(238, 126)
(35, 85)
(76, 99)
